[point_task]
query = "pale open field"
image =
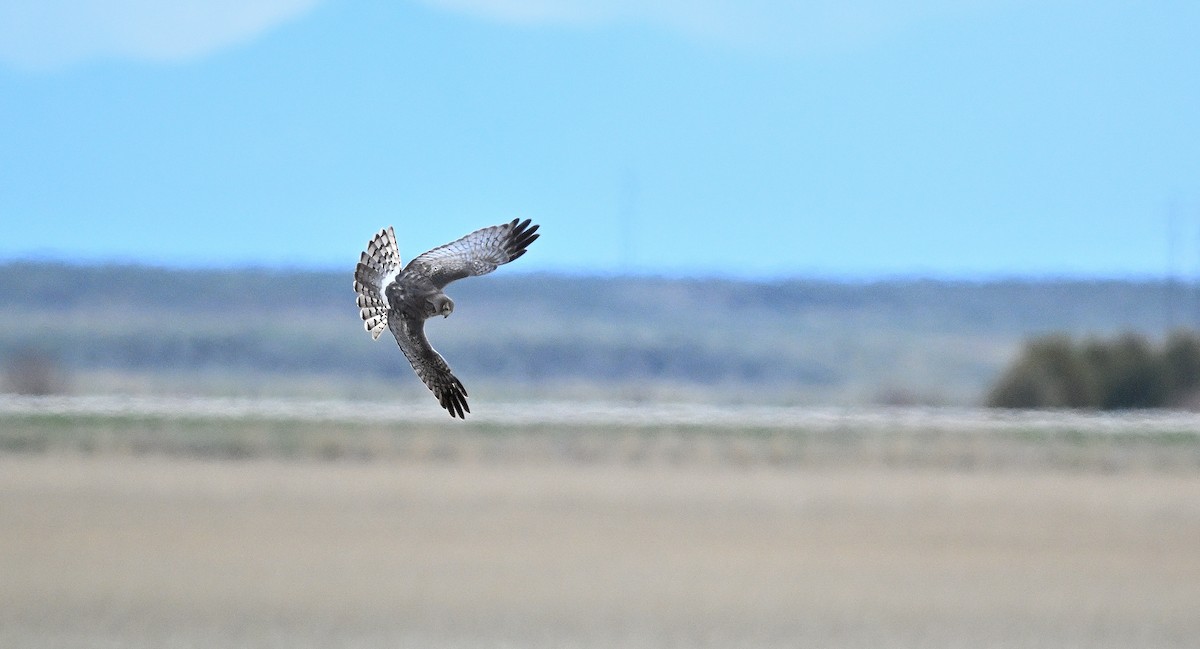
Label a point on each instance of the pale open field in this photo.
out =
(114, 551)
(143, 531)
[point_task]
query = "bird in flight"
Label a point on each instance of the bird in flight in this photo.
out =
(401, 300)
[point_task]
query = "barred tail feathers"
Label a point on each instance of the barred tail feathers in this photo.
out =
(377, 267)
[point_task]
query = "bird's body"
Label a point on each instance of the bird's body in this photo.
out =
(400, 300)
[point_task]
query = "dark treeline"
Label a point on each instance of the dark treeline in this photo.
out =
(1122, 373)
(804, 339)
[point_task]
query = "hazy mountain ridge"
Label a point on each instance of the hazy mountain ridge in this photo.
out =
(795, 341)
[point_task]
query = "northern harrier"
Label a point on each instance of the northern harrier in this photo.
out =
(401, 300)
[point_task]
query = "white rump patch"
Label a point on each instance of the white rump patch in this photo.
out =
(387, 280)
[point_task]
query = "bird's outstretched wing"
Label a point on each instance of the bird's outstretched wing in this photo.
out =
(429, 365)
(477, 253)
(377, 267)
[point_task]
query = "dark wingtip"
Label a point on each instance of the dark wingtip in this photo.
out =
(520, 228)
(454, 400)
(519, 239)
(452, 406)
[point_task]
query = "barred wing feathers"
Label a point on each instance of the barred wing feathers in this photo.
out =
(478, 253)
(429, 365)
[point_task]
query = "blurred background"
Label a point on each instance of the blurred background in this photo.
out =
(769, 201)
(811, 352)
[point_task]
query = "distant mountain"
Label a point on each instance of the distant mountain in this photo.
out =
(133, 328)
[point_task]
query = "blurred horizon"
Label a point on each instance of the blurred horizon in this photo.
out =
(514, 273)
(271, 333)
(1180, 279)
(761, 141)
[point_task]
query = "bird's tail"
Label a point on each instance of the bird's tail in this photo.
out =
(377, 267)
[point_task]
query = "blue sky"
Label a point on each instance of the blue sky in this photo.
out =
(761, 138)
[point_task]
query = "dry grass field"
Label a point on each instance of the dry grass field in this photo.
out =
(116, 546)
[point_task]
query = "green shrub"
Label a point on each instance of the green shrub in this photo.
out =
(1124, 373)
(1181, 358)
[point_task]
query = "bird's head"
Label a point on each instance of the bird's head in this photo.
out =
(440, 305)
